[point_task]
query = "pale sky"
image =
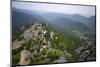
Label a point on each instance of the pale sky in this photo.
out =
(58, 8)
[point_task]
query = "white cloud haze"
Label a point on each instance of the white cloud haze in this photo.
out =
(59, 8)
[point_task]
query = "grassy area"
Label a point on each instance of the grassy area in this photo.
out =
(65, 43)
(53, 54)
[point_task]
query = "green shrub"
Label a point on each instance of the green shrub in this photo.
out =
(53, 54)
(16, 58)
(72, 58)
(16, 35)
(20, 38)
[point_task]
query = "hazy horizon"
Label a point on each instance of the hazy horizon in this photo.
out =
(57, 8)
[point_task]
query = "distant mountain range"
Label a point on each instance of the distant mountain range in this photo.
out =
(65, 22)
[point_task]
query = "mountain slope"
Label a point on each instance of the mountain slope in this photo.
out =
(90, 21)
(39, 45)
